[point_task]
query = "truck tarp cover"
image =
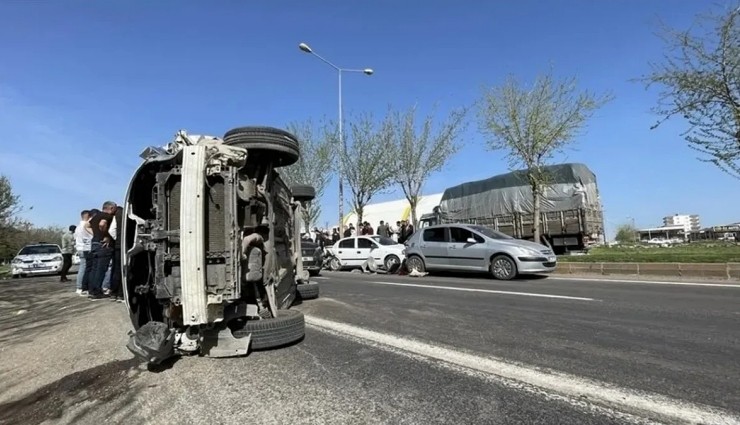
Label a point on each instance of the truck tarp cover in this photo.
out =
(569, 186)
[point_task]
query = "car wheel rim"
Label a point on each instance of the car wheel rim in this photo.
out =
(502, 268)
(390, 262)
(415, 263)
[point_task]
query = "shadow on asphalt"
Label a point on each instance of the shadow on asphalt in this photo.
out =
(110, 383)
(29, 307)
(460, 275)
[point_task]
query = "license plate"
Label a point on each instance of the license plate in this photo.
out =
(307, 258)
(38, 266)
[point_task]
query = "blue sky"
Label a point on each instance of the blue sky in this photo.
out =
(85, 86)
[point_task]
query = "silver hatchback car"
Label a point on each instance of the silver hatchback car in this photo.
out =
(467, 247)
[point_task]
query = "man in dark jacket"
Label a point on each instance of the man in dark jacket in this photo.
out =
(383, 230)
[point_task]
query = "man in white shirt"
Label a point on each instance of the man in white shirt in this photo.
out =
(83, 239)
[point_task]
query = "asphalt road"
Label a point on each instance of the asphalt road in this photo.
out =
(389, 349)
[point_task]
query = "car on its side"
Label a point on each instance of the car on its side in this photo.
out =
(312, 257)
(37, 259)
(467, 247)
(353, 251)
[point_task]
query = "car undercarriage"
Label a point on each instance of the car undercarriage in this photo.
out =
(211, 246)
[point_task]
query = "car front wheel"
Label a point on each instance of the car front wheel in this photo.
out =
(415, 262)
(503, 268)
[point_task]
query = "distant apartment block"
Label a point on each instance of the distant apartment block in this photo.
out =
(690, 222)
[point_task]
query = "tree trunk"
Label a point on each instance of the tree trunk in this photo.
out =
(412, 204)
(536, 193)
(360, 210)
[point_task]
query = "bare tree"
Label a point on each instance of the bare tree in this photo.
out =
(9, 207)
(700, 81)
(314, 167)
(422, 151)
(368, 160)
(533, 124)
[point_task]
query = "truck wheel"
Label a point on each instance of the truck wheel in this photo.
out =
(308, 291)
(503, 268)
(303, 192)
(415, 262)
(288, 327)
(265, 144)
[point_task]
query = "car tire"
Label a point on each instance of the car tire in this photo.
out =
(303, 193)
(265, 144)
(390, 260)
(335, 265)
(503, 267)
(288, 327)
(314, 273)
(415, 262)
(15, 276)
(308, 291)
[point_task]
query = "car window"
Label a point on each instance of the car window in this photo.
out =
(365, 243)
(493, 234)
(347, 243)
(384, 241)
(40, 249)
(434, 235)
(461, 235)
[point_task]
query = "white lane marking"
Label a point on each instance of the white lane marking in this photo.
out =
(320, 278)
(490, 291)
(573, 387)
(649, 282)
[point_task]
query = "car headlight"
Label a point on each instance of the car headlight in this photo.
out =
(16, 260)
(530, 252)
(58, 258)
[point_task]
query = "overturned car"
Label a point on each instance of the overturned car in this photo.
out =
(211, 250)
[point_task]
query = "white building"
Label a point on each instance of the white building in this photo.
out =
(394, 211)
(689, 222)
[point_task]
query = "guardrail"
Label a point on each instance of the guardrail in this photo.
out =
(725, 271)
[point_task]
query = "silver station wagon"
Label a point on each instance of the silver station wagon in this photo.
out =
(467, 247)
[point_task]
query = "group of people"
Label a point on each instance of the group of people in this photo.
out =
(400, 232)
(97, 240)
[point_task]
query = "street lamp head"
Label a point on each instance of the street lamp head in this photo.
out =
(305, 48)
(368, 71)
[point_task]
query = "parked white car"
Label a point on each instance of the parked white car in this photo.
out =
(37, 260)
(352, 252)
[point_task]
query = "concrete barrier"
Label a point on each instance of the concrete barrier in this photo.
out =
(724, 271)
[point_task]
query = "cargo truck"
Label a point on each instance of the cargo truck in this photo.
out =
(571, 214)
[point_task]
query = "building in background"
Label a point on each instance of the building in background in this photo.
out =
(690, 222)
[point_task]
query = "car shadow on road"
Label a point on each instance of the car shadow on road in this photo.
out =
(110, 385)
(30, 307)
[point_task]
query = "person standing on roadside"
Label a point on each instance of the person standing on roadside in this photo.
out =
(335, 236)
(101, 248)
(115, 231)
(68, 249)
(383, 230)
(82, 246)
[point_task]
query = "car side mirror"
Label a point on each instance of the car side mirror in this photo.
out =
(472, 240)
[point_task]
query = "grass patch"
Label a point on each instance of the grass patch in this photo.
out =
(5, 271)
(685, 253)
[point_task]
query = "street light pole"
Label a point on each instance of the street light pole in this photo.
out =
(367, 71)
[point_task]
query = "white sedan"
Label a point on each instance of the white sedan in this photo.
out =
(352, 252)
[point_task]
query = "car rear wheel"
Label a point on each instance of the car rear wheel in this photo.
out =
(503, 267)
(415, 262)
(265, 144)
(288, 327)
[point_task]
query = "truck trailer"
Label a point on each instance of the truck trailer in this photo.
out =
(571, 214)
